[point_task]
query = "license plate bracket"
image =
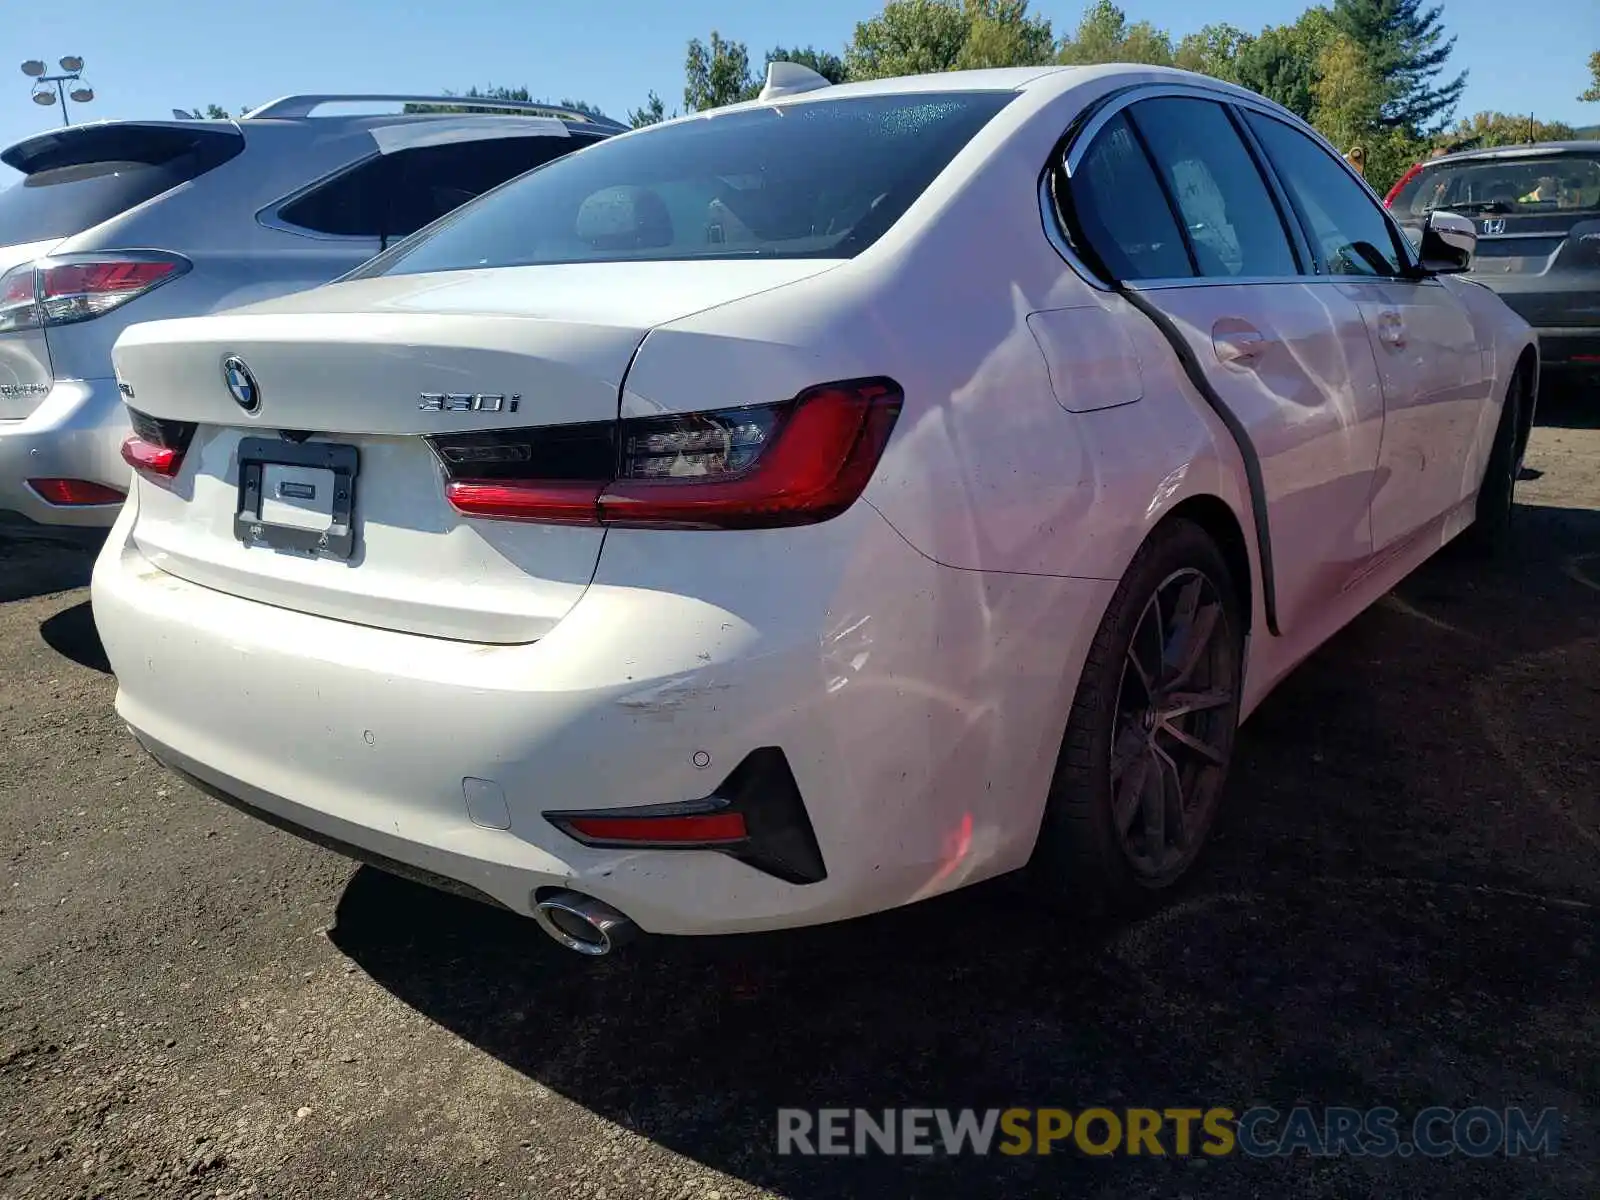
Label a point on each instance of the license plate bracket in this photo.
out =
(302, 468)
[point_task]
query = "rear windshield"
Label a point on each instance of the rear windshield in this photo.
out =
(73, 181)
(1552, 183)
(821, 179)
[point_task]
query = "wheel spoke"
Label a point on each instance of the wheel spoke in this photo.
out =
(1204, 749)
(1127, 748)
(1154, 808)
(1175, 809)
(1197, 639)
(1181, 704)
(1173, 651)
(1130, 794)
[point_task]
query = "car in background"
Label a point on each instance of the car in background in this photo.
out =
(809, 506)
(1537, 210)
(122, 221)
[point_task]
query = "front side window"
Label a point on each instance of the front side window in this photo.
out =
(1348, 230)
(817, 179)
(1232, 222)
(1120, 212)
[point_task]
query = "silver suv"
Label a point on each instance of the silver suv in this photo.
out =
(121, 222)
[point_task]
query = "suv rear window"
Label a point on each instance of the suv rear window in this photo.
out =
(1553, 183)
(77, 178)
(817, 179)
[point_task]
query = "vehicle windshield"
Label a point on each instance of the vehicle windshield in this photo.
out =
(1554, 183)
(818, 179)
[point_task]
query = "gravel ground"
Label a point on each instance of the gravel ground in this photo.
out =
(1399, 908)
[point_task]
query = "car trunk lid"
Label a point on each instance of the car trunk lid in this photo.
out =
(281, 400)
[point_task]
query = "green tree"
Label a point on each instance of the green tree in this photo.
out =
(1485, 129)
(717, 74)
(909, 37)
(1213, 50)
(1104, 36)
(825, 63)
(1592, 92)
(653, 113)
(1405, 48)
(1347, 95)
(1280, 62)
(215, 112)
(1002, 33)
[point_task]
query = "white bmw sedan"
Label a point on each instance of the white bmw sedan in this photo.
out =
(803, 508)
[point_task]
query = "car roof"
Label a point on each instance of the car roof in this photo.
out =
(1521, 150)
(289, 112)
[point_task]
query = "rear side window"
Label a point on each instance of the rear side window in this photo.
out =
(1232, 222)
(75, 179)
(817, 179)
(394, 195)
(1121, 212)
(1349, 232)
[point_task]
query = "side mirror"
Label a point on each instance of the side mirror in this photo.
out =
(1448, 244)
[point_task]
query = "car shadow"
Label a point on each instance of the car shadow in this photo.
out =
(1397, 908)
(71, 633)
(38, 561)
(1569, 408)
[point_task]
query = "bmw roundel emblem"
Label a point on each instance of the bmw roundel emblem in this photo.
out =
(242, 385)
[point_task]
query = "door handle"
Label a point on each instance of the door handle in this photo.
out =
(1238, 347)
(1392, 328)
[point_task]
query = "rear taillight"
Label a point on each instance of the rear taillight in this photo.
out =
(157, 447)
(795, 463)
(1416, 169)
(80, 287)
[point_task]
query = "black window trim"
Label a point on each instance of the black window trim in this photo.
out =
(1055, 190)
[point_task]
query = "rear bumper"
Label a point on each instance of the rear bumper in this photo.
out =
(1569, 352)
(442, 756)
(75, 433)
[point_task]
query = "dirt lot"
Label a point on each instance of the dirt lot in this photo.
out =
(1399, 908)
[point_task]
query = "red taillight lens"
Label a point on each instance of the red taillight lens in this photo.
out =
(68, 492)
(1416, 169)
(19, 303)
(794, 463)
(81, 287)
(157, 447)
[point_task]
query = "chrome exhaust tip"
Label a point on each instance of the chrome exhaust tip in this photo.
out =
(582, 923)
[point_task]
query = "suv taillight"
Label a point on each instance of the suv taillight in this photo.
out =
(795, 463)
(79, 287)
(157, 447)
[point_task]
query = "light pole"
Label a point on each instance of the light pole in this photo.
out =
(71, 72)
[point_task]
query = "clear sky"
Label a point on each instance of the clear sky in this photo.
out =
(146, 57)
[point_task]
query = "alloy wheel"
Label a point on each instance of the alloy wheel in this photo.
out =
(1172, 732)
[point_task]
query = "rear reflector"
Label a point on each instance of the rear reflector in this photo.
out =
(157, 447)
(756, 815)
(795, 463)
(68, 492)
(703, 829)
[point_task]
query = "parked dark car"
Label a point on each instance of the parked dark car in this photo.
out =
(1537, 208)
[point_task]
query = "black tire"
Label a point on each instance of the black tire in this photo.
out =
(1493, 529)
(1094, 854)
